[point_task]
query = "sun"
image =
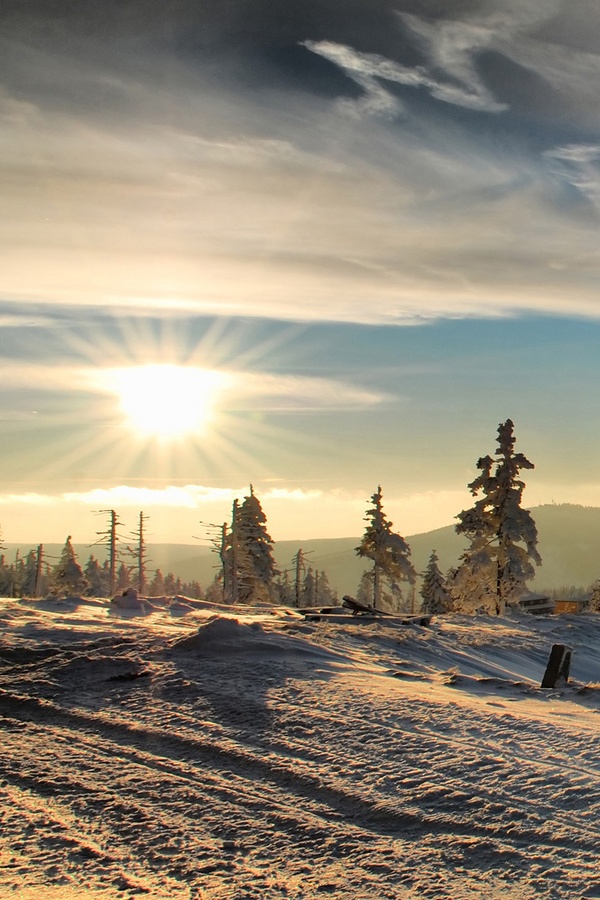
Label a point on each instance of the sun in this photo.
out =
(166, 401)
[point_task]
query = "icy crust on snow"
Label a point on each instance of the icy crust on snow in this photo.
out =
(229, 753)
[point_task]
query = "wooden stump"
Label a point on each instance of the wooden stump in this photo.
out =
(558, 668)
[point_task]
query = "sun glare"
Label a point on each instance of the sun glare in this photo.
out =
(167, 401)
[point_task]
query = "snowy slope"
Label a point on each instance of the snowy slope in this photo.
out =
(182, 751)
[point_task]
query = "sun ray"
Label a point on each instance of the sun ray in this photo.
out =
(157, 400)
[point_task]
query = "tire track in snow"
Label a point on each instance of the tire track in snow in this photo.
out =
(163, 826)
(522, 786)
(222, 755)
(332, 802)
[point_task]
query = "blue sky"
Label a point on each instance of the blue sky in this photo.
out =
(353, 236)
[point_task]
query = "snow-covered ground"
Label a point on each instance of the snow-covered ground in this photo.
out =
(182, 751)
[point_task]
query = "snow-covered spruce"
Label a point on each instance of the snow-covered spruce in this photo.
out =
(434, 591)
(390, 555)
(247, 555)
(499, 561)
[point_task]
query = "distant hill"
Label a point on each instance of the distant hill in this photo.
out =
(569, 542)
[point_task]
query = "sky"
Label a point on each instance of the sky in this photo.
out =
(313, 246)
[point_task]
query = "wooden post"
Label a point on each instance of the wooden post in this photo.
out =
(558, 668)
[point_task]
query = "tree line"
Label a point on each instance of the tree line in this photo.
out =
(491, 575)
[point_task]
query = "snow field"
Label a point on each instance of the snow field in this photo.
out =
(247, 753)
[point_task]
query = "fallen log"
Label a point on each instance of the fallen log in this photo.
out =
(358, 608)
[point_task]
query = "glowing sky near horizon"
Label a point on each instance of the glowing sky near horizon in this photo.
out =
(374, 224)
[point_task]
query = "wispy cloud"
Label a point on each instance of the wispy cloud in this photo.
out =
(365, 69)
(579, 166)
(194, 193)
(451, 52)
(265, 391)
(288, 392)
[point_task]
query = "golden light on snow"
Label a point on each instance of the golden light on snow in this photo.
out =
(167, 401)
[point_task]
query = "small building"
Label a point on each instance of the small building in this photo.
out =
(536, 604)
(582, 604)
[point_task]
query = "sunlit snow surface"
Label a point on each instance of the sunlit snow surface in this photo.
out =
(174, 749)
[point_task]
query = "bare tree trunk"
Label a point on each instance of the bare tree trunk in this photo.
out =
(141, 555)
(38, 570)
(225, 563)
(299, 560)
(376, 586)
(234, 554)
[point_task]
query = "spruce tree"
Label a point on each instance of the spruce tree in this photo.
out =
(309, 589)
(390, 555)
(325, 593)
(364, 590)
(170, 584)
(499, 561)
(28, 575)
(6, 578)
(252, 549)
(595, 596)
(123, 577)
(157, 587)
(68, 577)
(284, 589)
(436, 597)
(98, 577)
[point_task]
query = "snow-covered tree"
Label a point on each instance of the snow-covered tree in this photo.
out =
(6, 578)
(67, 576)
(123, 577)
(595, 596)
(192, 589)
(499, 561)
(326, 595)
(215, 592)
(364, 590)
(309, 589)
(98, 577)
(172, 584)
(27, 575)
(390, 555)
(435, 594)
(284, 589)
(251, 553)
(157, 585)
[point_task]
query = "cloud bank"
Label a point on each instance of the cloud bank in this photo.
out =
(407, 162)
